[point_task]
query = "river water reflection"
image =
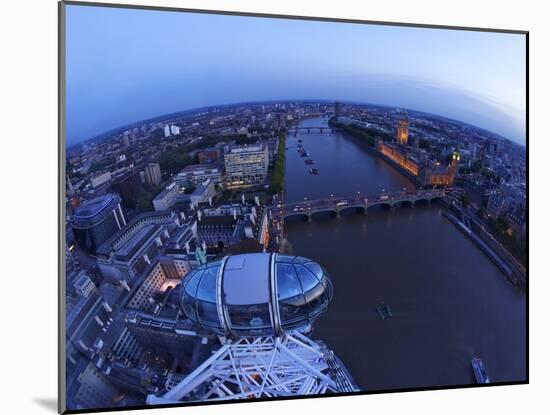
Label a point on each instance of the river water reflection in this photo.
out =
(449, 302)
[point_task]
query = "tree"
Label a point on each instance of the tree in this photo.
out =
(481, 213)
(365, 134)
(278, 176)
(492, 176)
(100, 165)
(502, 223)
(476, 166)
(171, 162)
(144, 202)
(188, 190)
(423, 143)
(243, 139)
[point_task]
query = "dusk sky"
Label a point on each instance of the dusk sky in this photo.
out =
(127, 65)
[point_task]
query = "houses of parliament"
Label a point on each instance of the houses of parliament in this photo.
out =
(415, 161)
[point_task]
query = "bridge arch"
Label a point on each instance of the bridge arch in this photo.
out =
(353, 207)
(380, 204)
(403, 203)
(320, 212)
(422, 201)
(320, 206)
(292, 215)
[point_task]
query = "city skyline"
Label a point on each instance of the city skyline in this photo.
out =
(260, 199)
(160, 215)
(156, 72)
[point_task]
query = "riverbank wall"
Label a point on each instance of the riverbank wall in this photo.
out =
(500, 257)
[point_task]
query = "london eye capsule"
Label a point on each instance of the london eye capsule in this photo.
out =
(257, 294)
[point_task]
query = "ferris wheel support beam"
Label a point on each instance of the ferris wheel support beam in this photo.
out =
(289, 365)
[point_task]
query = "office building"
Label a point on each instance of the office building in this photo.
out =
(96, 221)
(196, 174)
(170, 130)
(133, 250)
(246, 165)
(152, 284)
(227, 225)
(209, 155)
(273, 148)
(219, 230)
(83, 285)
(203, 193)
(153, 175)
(173, 195)
(479, 191)
(517, 220)
(179, 339)
(100, 179)
(166, 198)
(94, 390)
(128, 186)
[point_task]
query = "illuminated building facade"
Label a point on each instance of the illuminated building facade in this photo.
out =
(402, 133)
(436, 174)
(152, 284)
(246, 165)
(426, 172)
(399, 156)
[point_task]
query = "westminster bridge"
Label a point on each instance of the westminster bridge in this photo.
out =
(358, 202)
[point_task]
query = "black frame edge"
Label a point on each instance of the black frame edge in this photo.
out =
(292, 17)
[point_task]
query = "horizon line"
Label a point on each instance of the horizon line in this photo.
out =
(166, 115)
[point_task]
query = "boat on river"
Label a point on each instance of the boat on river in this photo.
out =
(479, 371)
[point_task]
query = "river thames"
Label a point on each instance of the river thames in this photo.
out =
(449, 301)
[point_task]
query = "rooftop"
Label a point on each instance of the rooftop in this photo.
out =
(137, 239)
(250, 271)
(200, 167)
(119, 239)
(216, 220)
(247, 149)
(94, 206)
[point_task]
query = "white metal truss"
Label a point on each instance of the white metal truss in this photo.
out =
(263, 367)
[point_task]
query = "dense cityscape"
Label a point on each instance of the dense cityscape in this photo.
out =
(149, 206)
